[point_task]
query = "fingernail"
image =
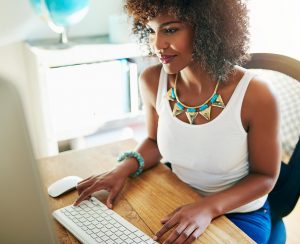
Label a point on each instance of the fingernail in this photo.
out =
(154, 238)
(110, 205)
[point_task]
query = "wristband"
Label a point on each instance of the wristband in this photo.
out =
(137, 156)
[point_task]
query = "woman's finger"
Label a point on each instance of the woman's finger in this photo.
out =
(84, 180)
(83, 196)
(185, 234)
(176, 233)
(82, 186)
(166, 227)
(111, 197)
(87, 193)
(194, 235)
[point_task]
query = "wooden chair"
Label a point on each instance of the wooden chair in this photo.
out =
(283, 74)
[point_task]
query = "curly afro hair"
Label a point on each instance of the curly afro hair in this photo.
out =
(220, 26)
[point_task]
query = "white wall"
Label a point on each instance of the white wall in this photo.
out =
(11, 63)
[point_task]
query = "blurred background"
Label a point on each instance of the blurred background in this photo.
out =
(64, 89)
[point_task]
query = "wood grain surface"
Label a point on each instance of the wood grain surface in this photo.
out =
(144, 201)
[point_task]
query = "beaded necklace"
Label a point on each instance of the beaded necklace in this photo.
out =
(192, 112)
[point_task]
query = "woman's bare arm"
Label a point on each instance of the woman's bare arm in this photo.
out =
(148, 148)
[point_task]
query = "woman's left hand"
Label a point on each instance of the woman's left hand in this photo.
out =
(190, 221)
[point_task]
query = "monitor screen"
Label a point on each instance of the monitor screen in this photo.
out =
(24, 213)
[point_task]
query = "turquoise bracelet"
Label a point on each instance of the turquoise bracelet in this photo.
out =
(139, 158)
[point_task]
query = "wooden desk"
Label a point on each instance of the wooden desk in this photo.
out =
(144, 201)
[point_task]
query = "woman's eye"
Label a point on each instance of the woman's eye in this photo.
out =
(170, 30)
(149, 30)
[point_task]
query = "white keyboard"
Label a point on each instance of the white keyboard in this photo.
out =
(93, 222)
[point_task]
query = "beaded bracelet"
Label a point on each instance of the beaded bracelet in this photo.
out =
(133, 154)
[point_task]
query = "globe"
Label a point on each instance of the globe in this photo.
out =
(60, 14)
(67, 12)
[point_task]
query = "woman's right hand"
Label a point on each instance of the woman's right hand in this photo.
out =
(112, 181)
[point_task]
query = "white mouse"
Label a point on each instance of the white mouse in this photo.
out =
(63, 185)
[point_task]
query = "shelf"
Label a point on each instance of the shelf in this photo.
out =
(64, 94)
(82, 50)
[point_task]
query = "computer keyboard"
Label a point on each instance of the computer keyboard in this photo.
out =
(93, 222)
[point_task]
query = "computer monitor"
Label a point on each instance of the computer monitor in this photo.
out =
(24, 213)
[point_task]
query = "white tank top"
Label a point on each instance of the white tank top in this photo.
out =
(210, 157)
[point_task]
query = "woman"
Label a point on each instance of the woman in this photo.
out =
(213, 120)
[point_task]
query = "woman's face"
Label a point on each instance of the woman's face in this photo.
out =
(172, 41)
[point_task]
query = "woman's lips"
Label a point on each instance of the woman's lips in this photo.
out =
(165, 59)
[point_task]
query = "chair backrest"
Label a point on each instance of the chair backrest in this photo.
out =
(282, 73)
(276, 62)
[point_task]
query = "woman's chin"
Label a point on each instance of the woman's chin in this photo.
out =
(170, 70)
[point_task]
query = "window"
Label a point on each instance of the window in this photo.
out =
(275, 26)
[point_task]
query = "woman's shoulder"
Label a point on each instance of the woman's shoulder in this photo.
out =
(260, 92)
(149, 80)
(259, 99)
(258, 89)
(151, 74)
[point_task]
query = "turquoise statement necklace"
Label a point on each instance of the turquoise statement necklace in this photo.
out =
(192, 112)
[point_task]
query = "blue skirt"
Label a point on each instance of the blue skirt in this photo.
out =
(256, 224)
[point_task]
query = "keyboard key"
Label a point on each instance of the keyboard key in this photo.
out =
(123, 237)
(99, 240)
(118, 241)
(139, 233)
(119, 233)
(95, 222)
(132, 236)
(122, 228)
(104, 222)
(113, 237)
(126, 232)
(113, 229)
(107, 218)
(95, 230)
(100, 234)
(91, 227)
(89, 204)
(144, 238)
(105, 238)
(99, 226)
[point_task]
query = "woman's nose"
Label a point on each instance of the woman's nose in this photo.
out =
(159, 42)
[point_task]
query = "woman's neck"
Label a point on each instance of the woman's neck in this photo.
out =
(196, 78)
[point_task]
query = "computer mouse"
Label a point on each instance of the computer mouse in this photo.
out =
(63, 185)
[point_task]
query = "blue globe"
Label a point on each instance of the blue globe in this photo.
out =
(63, 12)
(67, 12)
